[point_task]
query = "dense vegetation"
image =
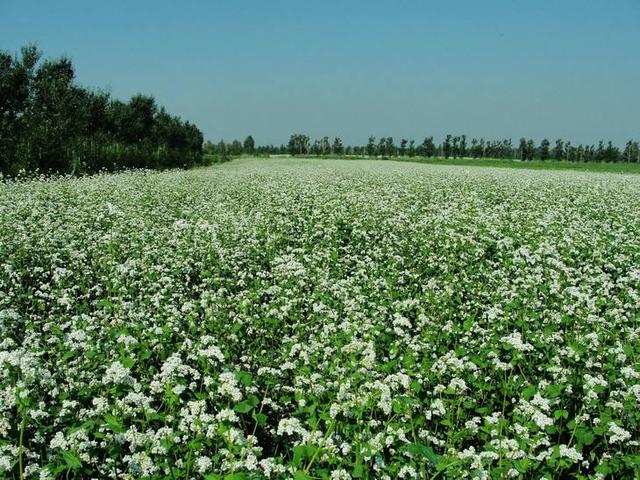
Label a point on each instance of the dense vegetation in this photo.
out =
(321, 319)
(51, 124)
(451, 147)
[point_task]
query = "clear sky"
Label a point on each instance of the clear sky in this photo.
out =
(487, 68)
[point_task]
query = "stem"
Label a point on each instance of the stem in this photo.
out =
(20, 447)
(435, 475)
(315, 454)
(255, 426)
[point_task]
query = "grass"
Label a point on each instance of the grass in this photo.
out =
(620, 167)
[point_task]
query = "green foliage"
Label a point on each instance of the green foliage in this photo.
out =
(50, 124)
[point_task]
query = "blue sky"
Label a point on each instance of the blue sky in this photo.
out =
(357, 68)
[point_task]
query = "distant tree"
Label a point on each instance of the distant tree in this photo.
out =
(569, 151)
(531, 148)
(298, 144)
(209, 147)
(325, 146)
(527, 149)
(412, 148)
(371, 147)
(222, 151)
(403, 147)
(316, 147)
(390, 147)
(382, 147)
(292, 146)
(522, 149)
(447, 147)
(476, 148)
(337, 148)
(429, 147)
(235, 148)
(463, 145)
(455, 147)
(631, 152)
(543, 151)
(600, 155)
(558, 150)
(249, 145)
(612, 153)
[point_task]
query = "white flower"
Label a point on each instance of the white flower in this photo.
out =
(58, 441)
(407, 471)
(618, 434)
(340, 474)
(229, 386)
(116, 373)
(515, 340)
(203, 464)
(569, 452)
(290, 426)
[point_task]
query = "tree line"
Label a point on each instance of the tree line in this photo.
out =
(452, 146)
(49, 123)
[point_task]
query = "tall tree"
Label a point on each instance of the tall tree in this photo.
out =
(446, 147)
(429, 147)
(337, 148)
(412, 148)
(543, 151)
(298, 144)
(531, 149)
(522, 149)
(631, 152)
(403, 147)
(371, 146)
(463, 145)
(558, 150)
(390, 147)
(49, 122)
(249, 145)
(325, 146)
(382, 147)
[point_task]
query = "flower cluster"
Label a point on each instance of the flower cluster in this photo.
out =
(321, 319)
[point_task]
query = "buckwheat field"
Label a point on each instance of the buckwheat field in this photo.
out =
(321, 319)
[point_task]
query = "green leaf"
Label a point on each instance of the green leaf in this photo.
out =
(302, 452)
(260, 418)
(72, 460)
(560, 414)
(114, 424)
(300, 475)
(421, 450)
(529, 392)
(127, 362)
(236, 476)
(104, 303)
(358, 471)
(554, 390)
(585, 436)
(245, 378)
(243, 407)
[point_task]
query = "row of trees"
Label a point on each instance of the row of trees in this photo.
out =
(51, 124)
(222, 151)
(451, 147)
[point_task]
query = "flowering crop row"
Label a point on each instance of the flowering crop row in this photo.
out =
(320, 319)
